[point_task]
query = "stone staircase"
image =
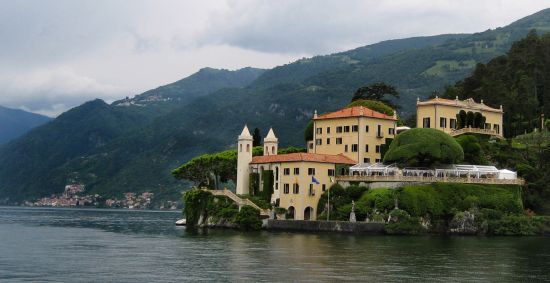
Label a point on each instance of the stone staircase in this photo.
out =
(238, 200)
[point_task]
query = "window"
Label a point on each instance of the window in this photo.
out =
(426, 123)
(318, 141)
(331, 172)
(379, 131)
(346, 129)
(443, 122)
(338, 140)
(310, 145)
(355, 128)
(496, 128)
(377, 149)
(311, 171)
(339, 129)
(346, 148)
(295, 188)
(367, 128)
(328, 130)
(248, 148)
(311, 190)
(378, 160)
(366, 160)
(452, 123)
(296, 171)
(241, 148)
(319, 131)
(488, 126)
(391, 131)
(354, 147)
(366, 148)
(328, 140)
(286, 188)
(324, 187)
(286, 171)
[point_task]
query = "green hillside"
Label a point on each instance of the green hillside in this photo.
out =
(14, 123)
(285, 97)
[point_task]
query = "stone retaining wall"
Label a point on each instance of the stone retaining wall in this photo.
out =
(325, 226)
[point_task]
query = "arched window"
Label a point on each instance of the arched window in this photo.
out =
(248, 148)
(266, 151)
(290, 212)
(241, 148)
(308, 213)
(273, 150)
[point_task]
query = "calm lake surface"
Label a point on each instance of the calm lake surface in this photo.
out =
(91, 245)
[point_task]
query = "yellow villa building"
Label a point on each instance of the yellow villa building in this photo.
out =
(341, 139)
(456, 116)
(357, 132)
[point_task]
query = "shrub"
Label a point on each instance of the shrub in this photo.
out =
(196, 203)
(381, 199)
(424, 147)
(248, 218)
(402, 224)
(471, 146)
(515, 225)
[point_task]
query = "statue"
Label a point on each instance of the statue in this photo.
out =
(352, 214)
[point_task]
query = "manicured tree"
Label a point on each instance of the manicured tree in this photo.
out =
(473, 153)
(424, 147)
(470, 119)
(461, 118)
(256, 137)
(477, 120)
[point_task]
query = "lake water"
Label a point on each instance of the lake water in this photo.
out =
(91, 245)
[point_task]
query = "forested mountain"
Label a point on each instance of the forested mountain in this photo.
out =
(14, 123)
(140, 159)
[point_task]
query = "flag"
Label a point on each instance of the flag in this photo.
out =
(313, 180)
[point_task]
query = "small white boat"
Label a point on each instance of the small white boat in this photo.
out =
(181, 222)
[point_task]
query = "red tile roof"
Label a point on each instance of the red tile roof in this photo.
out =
(308, 157)
(356, 111)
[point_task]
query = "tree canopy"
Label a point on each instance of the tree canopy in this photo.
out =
(256, 137)
(378, 106)
(424, 147)
(376, 91)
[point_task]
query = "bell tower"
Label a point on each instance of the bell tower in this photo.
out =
(244, 157)
(271, 143)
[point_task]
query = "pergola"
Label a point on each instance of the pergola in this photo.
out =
(476, 171)
(378, 169)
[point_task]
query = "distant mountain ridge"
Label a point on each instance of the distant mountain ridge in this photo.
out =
(140, 155)
(14, 123)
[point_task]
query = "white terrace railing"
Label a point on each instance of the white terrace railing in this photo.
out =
(462, 131)
(430, 179)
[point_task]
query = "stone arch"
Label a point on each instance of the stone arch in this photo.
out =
(308, 213)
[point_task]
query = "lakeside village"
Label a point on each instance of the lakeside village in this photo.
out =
(73, 196)
(378, 174)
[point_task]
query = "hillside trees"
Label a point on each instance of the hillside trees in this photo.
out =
(522, 75)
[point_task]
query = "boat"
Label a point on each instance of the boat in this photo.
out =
(181, 222)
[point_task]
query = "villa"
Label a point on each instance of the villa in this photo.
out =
(347, 147)
(457, 117)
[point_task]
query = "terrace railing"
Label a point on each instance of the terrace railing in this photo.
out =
(430, 179)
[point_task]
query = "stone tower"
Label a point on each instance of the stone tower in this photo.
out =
(271, 143)
(244, 157)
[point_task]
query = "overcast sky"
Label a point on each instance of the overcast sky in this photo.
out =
(57, 54)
